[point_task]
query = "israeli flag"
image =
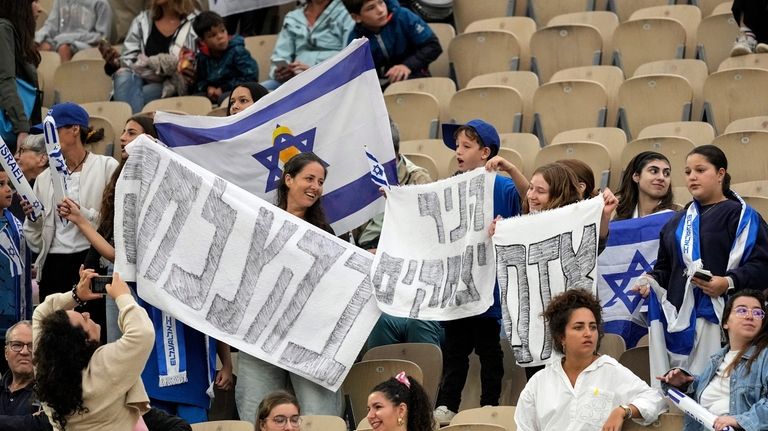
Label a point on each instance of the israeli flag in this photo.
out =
(333, 109)
(631, 250)
(378, 175)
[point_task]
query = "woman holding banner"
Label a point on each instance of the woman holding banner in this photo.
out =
(646, 187)
(584, 390)
(733, 385)
(299, 192)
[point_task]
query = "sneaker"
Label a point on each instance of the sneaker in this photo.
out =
(443, 415)
(762, 48)
(745, 44)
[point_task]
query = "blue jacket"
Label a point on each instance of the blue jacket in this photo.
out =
(748, 403)
(234, 67)
(406, 39)
(297, 42)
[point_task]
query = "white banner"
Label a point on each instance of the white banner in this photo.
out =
(537, 257)
(238, 268)
(231, 7)
(435, 259)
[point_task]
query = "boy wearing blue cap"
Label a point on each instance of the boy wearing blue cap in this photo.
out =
(475, 143)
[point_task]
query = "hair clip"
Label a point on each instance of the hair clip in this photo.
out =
(402, 378)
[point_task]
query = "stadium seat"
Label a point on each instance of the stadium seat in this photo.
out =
(117, 113)
(636, 359)
(592, 153)
(612, 345)
(261, 48)
(88, 54)
(473, 427)
(610, 77)
(221, 111)
(733, 94)
(521, 26)
(496, 415)
(652, 99)
(427, 356)
(666, 422)
(41, 18)
(524, 82)
(69, 79)
(498, 105)
(714, 39)
(749, 61)
(612, 138)
(434, 148)
(470, 395)
(675, 148)
(107, 146)
(750, 123)
(625, 8)
(441, 67)
(643, 341)
(476, 53)
(751, 188)
(544, 10)
(699, 132)
(192, 105)
(526, 145)
(442, 88)
(562, 46)
(364, 425)
(747, 152)
(467, 11)
(364, 375)
(560, 106)
(708, 6)
(760, 203)
(49, 62)
(425, 162)
(689, 16)
(604, 21)
(416, 114)
(645, 40)
(507, 153)
(322, 423)
(695, 71)
(223, 426)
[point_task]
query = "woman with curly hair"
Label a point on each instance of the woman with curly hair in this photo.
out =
(400, 403)
(84, 386)
(583, 390)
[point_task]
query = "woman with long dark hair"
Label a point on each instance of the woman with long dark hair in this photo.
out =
(18, 61)
(646, 187)
(245, 95)
(400, 403)
(733, 385)
(299, 192)
(84, 386)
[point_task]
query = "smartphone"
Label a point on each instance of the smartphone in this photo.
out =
(280, 63)
(99, 284)
(703, 274)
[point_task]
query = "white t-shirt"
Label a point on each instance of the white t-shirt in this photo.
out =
(550, 403)
(67, 238)
(716, 396)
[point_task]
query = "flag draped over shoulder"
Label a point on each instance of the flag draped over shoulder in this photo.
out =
(333, 109)
(630, 251)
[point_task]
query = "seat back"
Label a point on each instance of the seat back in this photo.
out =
(750, 123)
(645, 40)
(500, 106)
(223, 426)
(714, 39)
(106, 146)
(734, 94)
(69, 79)
(759, 203)
(441, 67)
(604, 21)
(695, 71)
(496, 415)
(425, 162)
(416, 114)
(476, 53)
(544, 10)
(592, 153)
(117, 113)
(666, 422)
(526, 145)
(49, 62)
(637, 360)
(524, 82)
(699, 132)
(365, 375)
(322, 423)
(612, 138)
(653, 99)
(192, 105)
(434, 148)
(747, 151)
(473, 427)
(625, 8)
(566, 105)
(709, 6)
(675, 148)
(440, 87)
(749, 61)
(610, 77)
(689, 16)
(261, 48)
(428, 356)
(468, 11)
(559, 47)
(521, 26)
(612, 345)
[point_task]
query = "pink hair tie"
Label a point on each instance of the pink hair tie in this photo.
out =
(402, 378)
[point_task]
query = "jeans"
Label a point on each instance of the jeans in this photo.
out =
(257, 378)
(393, 330)
(132, 89)
(271, 84)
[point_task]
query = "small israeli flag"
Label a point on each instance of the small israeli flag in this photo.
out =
(377, 170)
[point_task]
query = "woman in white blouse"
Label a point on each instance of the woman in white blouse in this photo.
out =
(583, 390)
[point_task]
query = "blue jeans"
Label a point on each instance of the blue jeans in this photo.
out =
(257, 378)
(132, 89)
(271, 84)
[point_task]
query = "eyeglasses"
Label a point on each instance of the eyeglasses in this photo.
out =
(18, 346)
(282, 421)
(743, 312)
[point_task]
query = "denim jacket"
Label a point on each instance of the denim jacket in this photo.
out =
(748, 403)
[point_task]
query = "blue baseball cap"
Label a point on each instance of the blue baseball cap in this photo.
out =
(488, 134)
(66, 114)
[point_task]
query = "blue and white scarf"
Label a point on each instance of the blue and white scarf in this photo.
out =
(13, 248)
(688, 336)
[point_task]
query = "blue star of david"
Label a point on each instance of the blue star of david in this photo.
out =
(270, 157)
(619, 281)
(378, 171)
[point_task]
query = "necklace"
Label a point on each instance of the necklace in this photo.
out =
(710, 208)
(73, 170)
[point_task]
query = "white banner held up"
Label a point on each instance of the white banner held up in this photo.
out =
(238, 268)
(435, 259)
(20, 182)
(537, 257)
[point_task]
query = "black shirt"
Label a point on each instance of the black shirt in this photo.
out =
(17, 409)
(157, 43)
